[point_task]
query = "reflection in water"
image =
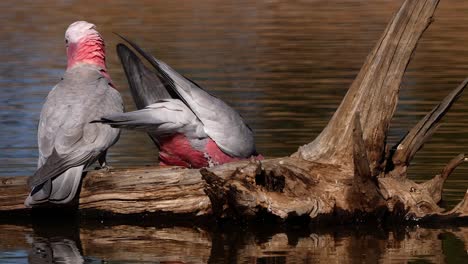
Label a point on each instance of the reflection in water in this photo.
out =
(54, 250)
(57, 240)
(132, 244)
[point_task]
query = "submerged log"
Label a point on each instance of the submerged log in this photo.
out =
(347, 172)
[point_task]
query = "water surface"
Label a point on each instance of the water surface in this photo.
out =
(284, 65)
(257, 244)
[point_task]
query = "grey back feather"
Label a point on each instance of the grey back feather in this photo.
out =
(66, 138)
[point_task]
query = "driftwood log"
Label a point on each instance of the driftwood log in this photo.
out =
(348, 172)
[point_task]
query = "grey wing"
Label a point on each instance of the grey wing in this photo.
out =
(164, 117)
(146, 86)
(65, 137)
(222, 123)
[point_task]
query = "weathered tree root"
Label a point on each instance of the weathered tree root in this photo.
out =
(400, 156)
(380, 173)
(279, 189)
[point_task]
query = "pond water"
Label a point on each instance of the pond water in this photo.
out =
(284, 65)
(71, 244)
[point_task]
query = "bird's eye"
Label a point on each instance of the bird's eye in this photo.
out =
(66, 41)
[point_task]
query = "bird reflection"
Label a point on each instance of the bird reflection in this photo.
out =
(54, 242)
(54, 250)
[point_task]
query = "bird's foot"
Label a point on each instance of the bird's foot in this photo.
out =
(105, 167)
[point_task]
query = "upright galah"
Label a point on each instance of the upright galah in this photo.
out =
(191, 127)
(68, 142)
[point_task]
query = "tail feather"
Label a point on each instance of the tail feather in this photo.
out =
(139, 119)
(39, 194)
(162, 74)
(65, 186)
(162, 118)
(60, 190)
(145, 85)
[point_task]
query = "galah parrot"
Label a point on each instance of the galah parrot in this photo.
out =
(191, 127)
(68, 142)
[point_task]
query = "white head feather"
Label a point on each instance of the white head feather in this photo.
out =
(78, 30)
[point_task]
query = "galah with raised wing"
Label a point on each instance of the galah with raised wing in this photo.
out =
(191, 127)
(68, 142)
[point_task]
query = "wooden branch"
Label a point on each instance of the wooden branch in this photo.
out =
(419, 201)
(280, 188)
(436, 184)
(364, 184)
(374, 92)
(13, 192)
(130, 191)
(361, 163)
(182, 191)
(461, 209)
(459, 214)
(172, 190)
(406, 199)
(421, 133)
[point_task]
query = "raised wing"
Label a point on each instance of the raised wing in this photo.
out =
(221, 123)
(146, 86)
